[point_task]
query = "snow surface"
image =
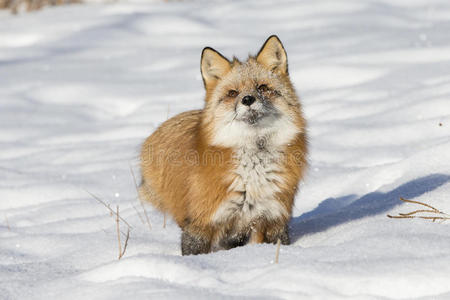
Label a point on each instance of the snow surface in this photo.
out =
(81, 87)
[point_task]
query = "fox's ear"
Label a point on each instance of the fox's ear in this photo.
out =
(213, 66)
(273, 56)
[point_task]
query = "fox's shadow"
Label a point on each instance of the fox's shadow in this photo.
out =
(335, 211)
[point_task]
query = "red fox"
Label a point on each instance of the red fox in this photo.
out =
(228, 173)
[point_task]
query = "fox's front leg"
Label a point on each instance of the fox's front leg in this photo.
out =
(269, 233)
(277, 231)
(256, 236)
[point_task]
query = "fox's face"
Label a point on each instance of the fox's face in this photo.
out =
(249, 99)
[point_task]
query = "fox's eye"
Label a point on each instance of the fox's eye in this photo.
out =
(232, 93)
(263, 88)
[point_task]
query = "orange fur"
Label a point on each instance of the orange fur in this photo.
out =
(188, 175)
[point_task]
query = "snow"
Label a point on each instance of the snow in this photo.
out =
(81, 86)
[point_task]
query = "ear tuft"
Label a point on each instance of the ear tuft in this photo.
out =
(273, 56)
(213, 66)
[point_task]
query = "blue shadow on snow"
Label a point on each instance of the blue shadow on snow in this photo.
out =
(335, 211)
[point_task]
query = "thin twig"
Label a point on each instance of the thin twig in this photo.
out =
(118, 232)
(138, 213)
(126, 244)
(108, 207)
(434, 218)
(411, 215)
(420, 217)
(164, 220)
(420, 203)
(132, 204)
(418, 211)
(127, 236)
(7, 222)
(277, 253)
(400, 217)
(142, 204)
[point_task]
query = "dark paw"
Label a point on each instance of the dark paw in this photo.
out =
(284, 237)
(233, 241)
(191, 244)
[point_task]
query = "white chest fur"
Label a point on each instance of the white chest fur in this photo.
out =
(256, 178)
(255, 184)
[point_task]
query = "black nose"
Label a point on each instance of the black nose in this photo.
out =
(248, 100)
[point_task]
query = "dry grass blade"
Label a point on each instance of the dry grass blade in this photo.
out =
(277, 253)
(132, 204)
(7, 223)
(137, 191)
(434, 218)
(439, 215)
(126, 244)
(138, 213)
(420, 203)
(118, 231)
(127, 236)
(418, 211)
(164, 220)
(108, 207)
(400, 217)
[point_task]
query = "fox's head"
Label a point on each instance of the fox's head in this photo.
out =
(251, 99)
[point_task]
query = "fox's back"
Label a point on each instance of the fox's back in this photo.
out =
(176, 131)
